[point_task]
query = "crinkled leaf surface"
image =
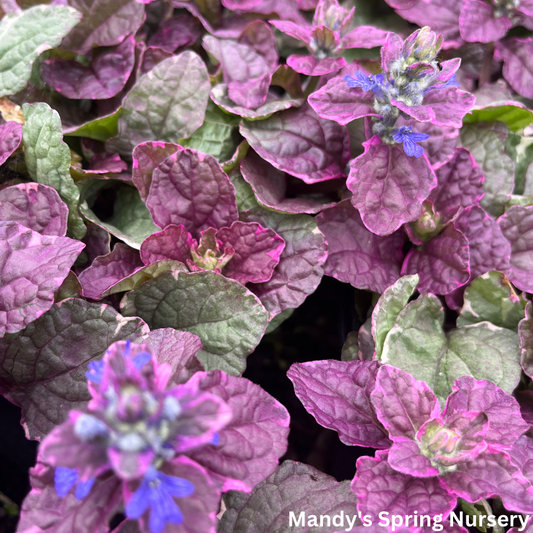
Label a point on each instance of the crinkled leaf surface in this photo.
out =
(228, 318)
(104, 78)
(147, 157)
(35, 206)
(516, 225)
(190, 188)
(301, 264)
(43, 367)
(131, 221)
(389, 305)
(499, 169)
(300, 143)
(10, 139)
(174, 242)
(24, 36)
(525, 330)
(357, 256)
(270, 188)
(417, 344)
(293, 486)
(252, 442)
(215, 136)
(336, 101)
(244, 194)
(380, 488)
(388, 186)
(441, 144)
(103, 24)
(518, 64)
(166, 104)
(337, 394)
(442, 263)
(180, 30)
(48, 158)
(490, 298)
(32, 267)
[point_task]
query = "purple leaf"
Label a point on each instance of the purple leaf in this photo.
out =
(178, 349)
(35, 206)
(301, 264)
(311, 66)
(259, 36)
(336, 101)
(459, 185)
(43, 367)
(337, 394)
(270, 188)
(355, 255)
(388, 186)
(246, 72)
(97, 242)
(443, 263)
(402, 4)
(525, 330)
(294, 30)
(380, 488)
(364, 37)
(442, 107)
(257, 251)
(44, 510)
(180, 30)
(489, 249)
(10, 139)
(516, 225)
(32, 267)
(108, 270)
(403, 404)
(479, 24)
(522, 456)
(517, 57)
(151, 57)
(300, 143)
(252, 442)
(490, 475)
(405, 457)
(190, 188)
(103, 24)
(174, 242)
(292, 488)
(503, 412)
(147, 157)
(104, 78)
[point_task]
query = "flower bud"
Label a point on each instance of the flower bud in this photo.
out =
(422, 45)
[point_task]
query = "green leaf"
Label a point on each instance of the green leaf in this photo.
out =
(278, 320)
(24, 36)
(166, 104)
(100, 129)
(417, 343)
(227, 317)
(491, 298)
(244, 194)
(215, 136)
(515, 116)
(350, 348)
(389, 305)
(483, 351)
(131, 221)
(499, 169)
(70, 288)
(48, 159)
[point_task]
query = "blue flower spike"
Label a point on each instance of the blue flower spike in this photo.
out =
(66, 478)
(405, 135)
(157, 491)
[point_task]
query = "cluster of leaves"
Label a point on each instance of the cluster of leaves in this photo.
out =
(182, 174)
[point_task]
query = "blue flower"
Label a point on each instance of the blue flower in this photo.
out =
(95, 372)
(157, 491)
(405, 135)
(367, 83)
(452, 82)
(66, 478)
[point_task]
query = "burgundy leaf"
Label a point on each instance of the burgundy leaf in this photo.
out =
(10, 139)
(478, 23)
(357, 256)
(174, 242)
(517, 57)
(180, 30)
(311, 66)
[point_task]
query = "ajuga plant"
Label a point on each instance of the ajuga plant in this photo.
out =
(178, 178)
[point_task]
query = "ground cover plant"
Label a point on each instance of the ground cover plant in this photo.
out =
(266, 266)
